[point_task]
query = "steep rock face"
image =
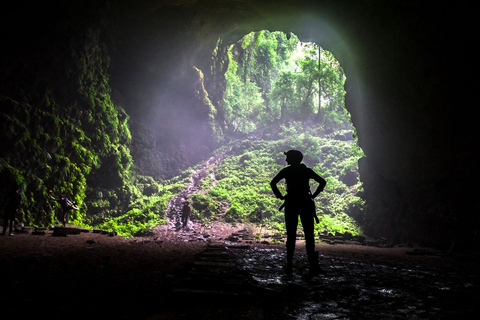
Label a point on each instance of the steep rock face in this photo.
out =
(59, 129)
(408, 86)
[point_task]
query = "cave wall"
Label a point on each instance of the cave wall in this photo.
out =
(408, 98)
(410, 80)
(60, 132)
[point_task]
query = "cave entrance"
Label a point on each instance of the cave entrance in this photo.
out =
(291, 94)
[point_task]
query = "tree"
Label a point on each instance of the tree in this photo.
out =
(307, 81)
(283, 95)
(274, 76)
(332, 88)
(243, 101)
(266, 60)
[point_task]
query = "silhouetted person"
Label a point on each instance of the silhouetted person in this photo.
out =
(299, 202)
(186, 212)
(66, 205)
(14, 200)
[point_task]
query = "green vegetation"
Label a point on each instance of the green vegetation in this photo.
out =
(77, 144)
(272, 77)
(273, 82)
(243, 180)
(75, 140)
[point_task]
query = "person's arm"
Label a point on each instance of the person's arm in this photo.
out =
(71, 204)
(321, 183)
(273, 185)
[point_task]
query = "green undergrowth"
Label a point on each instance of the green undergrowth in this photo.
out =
(244, 175)
(70, 138)
(148, 208)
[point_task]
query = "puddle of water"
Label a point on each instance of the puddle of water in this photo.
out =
(388, 293)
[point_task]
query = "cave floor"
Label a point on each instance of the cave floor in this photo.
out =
(92, 276)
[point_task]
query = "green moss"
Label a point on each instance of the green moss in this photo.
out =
(203, 206)
(77, 144)
(243, 179)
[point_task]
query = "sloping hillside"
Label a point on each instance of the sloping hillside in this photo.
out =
(233, 185)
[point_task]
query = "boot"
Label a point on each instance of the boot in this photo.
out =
(313, 262)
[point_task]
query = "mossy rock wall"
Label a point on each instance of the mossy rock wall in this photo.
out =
(60, 129)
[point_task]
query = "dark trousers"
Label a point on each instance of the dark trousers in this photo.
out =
(9, 216)
(291, 223)
(5, 224)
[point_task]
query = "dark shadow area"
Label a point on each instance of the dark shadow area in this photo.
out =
(95, 276)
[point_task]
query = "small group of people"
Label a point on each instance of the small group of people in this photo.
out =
(14, 200)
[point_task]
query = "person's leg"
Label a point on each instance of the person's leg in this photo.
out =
(12, 223)
(291, 223)
(8, 218)
(65, 216)
(312, 255)
(308, 230)
(5, 225)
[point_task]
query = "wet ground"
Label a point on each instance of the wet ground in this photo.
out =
(359, 288)
(95, 276)
(248, 282)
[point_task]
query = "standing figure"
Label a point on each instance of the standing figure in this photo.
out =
(299, 202)
(14, 200)
(66, 205)
(186, 212)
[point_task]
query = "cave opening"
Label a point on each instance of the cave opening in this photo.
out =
(63, 129)
(396, 74)
(270, 95)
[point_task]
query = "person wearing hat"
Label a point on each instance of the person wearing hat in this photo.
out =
(299, 202)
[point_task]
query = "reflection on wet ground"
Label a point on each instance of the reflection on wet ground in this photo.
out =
(359, 288)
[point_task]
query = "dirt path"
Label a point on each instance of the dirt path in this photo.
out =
(175, 204)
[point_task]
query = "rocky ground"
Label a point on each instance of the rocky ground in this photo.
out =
(201, 275)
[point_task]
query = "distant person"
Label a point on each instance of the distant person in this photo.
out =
(186, 212)
(66, 205)
(14, 200)
(299, 202)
